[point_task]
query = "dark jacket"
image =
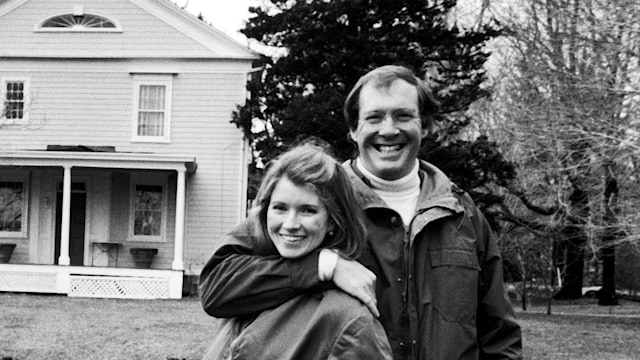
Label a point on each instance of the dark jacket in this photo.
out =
(439, 281)
(327, 325)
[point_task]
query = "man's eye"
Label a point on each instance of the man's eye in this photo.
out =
(405, 116)
(374, 118)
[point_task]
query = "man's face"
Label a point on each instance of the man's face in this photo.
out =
(389, 129)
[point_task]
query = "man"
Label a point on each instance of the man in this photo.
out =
(438, 286)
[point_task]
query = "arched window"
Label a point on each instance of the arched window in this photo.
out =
(78, 22)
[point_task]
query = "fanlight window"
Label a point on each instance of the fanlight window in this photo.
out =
(80, 22)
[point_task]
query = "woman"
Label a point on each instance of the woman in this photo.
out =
(305, 203)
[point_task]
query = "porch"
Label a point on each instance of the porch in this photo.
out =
(84, 212)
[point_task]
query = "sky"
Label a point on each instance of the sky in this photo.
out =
(227, 16)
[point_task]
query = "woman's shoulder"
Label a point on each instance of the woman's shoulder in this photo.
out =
(342, 304)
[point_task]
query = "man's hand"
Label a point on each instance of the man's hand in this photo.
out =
(356, 280)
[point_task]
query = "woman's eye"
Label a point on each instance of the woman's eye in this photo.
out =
(309, 211)
(279, 207)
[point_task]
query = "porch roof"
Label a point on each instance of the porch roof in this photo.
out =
(119, 160)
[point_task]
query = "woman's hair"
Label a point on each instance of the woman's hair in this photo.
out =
(383, 77)
(310, 165)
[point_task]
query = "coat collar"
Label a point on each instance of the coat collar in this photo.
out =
(436, 190)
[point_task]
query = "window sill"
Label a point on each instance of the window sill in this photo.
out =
(13, 235)
(150, 140)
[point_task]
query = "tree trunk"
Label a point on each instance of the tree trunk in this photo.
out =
(607, 295)
(574, 240)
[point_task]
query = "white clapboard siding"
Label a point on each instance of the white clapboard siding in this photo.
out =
(81, 93)
(141, 33)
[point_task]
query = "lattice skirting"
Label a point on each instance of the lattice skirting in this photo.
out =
(119, 287)
(92, 281)
(28, 282)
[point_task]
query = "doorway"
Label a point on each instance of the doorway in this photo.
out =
(76, 224)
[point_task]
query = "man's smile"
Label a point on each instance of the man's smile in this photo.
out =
(388, 148)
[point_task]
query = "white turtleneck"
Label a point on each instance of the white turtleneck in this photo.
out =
(401, 194)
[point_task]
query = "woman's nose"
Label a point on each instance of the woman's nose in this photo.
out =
(291, 221)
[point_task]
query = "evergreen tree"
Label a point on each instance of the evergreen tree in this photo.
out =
(330, 44)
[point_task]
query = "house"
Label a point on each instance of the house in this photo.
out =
(115, 138)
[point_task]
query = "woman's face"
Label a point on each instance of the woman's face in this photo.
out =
(297, 220)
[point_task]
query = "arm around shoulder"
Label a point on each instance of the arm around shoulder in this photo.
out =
(243, 277)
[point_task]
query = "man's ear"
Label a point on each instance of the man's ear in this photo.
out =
(352, 136)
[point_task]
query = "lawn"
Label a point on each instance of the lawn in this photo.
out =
(39, 327)
(34, 327)
(582, 330)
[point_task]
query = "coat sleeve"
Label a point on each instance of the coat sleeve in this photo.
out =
(499, 335)
(244, 277)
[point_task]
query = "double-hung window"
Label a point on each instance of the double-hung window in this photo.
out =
(152, 108)
(15, 95)
(13, 207)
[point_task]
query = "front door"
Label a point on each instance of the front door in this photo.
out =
(77, 223)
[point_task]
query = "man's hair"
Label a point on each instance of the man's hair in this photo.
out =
(310, 166)
(383, 77)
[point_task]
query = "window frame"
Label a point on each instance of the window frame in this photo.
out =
(26, 96)
(25, 207)
(148, 180)
(152, 80)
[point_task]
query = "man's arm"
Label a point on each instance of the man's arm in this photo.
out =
(243, 277)
(356, 280)
(499, 335)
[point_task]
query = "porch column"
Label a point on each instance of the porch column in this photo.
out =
(178, 254)
(64, 258)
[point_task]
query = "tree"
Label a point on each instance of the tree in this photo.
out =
(568, 110)
(330, 44)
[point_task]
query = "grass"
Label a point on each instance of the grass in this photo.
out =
(581, 330)
(48, 327)
(34, 327)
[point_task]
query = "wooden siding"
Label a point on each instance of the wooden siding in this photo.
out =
(92, 107)
(81, 93)
(142, 34)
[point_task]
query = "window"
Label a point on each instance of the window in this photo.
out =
(15, 93)
(13, 210)
(152, 108)
(85, 21)
(78, 21)
(149, 211)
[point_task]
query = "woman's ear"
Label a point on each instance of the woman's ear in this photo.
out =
(331, 228)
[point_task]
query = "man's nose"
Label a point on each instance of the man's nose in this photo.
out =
(388, 126)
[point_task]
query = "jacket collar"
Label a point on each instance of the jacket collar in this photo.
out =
(436, 190)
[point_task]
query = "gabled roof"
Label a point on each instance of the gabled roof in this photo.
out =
(149, 29)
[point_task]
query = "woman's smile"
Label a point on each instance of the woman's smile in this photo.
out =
(297, 220)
